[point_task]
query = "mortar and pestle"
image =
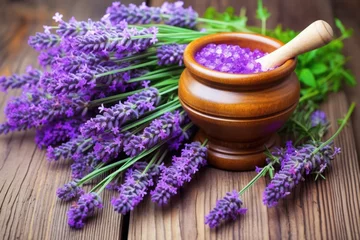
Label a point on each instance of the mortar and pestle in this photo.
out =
(240, 114)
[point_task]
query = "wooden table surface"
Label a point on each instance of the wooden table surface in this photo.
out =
(318, 210)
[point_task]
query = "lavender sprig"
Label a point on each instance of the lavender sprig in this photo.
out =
(30, 78)
(69, 191)
(193, 157)
(43, 41)
(133, 14)
(84, 208)
(169, 54)
(294, 167)
(176, 15)
(135, 187)
(125, 41)
(164, 127)
(228, 208)
(111, 119)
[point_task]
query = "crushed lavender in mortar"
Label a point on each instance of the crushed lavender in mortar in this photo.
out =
(229, 58)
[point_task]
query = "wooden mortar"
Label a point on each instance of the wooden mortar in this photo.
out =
(238, 113)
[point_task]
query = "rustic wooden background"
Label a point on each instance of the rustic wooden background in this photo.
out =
(318, 210)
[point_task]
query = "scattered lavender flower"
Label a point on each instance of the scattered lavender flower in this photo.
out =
(133, 14)
(43, 41)
(294, 167)
(229, 58)
(171, 54)
(193, 156)
(111, 119)
(318, 117)
(176, 15)
(57, 17)
(227, 208)
(69, 191)
(84, 208)
(135, 187)
(164, 127)
(30, 78)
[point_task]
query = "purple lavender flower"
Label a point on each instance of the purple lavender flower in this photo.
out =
(318, 117)
(42, 41)
(176, 15)
(36, 108)
(83, 164)
(293, 169)
(135, 187)
(48, 58)
(170, 54)
(86, 82)
(68, 149)
(30, 78)
(133, 14)
(164, 127)
(117, 41)
(5, 128)
(228, 208)
(84, 208)
(193, 156)
(111, 119)
(57, 132)
(69, 191)
(110, 146)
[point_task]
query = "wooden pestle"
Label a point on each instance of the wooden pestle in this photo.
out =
(316, 35)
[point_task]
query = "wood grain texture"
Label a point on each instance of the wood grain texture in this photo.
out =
(317, 210)
(29, 208)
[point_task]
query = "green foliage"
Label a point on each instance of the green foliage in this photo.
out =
(262, 14)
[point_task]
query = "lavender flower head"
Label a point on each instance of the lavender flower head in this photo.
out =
(228, 208)
(192, 158)
(43, 41)
(133, 14)
(318, 117)
(162, 128)
(293, 169)
(169, 54)
(84, 208)
(176, 15)
(135, 187)
(69, 191)
(30, 78)
(111, 119)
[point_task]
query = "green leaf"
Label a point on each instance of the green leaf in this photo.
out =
(318, 68)
(210, 13)
(307, 77)
(261, 12)
(349, 78)
(346, 33)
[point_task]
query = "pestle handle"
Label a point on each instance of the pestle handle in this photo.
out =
(316, 35)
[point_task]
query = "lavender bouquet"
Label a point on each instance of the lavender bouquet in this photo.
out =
(105, 98)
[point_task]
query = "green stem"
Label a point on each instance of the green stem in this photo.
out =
(303, 128)
(154, 62)
(222, 23)
(257, 177)
(169, 90)
(110, 177)
(343, 124)
(310, 95)
(153, 116)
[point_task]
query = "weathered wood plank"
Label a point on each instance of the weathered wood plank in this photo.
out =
(347, 12)
(317, 210)
(29, 208)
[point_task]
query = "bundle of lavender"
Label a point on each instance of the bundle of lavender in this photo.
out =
(106, 99)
